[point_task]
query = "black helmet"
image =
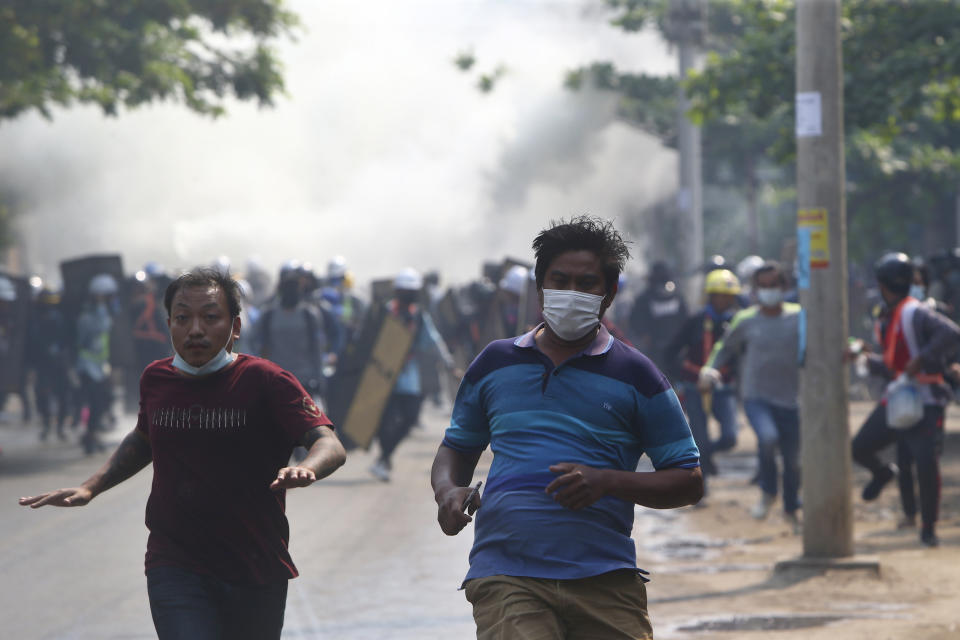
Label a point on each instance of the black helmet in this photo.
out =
(660, 273)
(895, 272)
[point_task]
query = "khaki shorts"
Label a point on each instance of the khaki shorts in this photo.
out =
(611, 606)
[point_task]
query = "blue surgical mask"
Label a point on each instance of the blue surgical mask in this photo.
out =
(918, 291)
(214, 364)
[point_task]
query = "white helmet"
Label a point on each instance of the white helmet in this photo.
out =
(337, 267)
(515, 280)
(747, 267)
(290, 266)
(8, 292)
(409, 279)
(103, 284)
(221, 264)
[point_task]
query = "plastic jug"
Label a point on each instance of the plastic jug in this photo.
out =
(904, 404)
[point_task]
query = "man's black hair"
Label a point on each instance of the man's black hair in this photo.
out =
(206, 277)
(770, 266)
(582, 233)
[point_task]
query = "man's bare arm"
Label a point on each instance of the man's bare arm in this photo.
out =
(133, 454)
(450, 477)
(577, 486)
(325, 454)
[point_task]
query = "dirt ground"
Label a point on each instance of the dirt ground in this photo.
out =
(713, 566)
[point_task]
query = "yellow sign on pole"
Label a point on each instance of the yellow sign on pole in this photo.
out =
(815, 220)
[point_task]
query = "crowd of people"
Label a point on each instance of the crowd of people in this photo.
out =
(72, 357)
(540, 364)
(743, 345)
(738, 350)
(740, 347)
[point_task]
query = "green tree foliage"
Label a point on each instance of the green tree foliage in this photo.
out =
(746, 191)
(197, 52)
(902, 115)
(901, 110)
(127, 53)
(486, 82)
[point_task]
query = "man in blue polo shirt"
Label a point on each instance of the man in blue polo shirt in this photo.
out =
(568, 411)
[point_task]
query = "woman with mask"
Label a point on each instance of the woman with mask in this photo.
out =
(768, 336)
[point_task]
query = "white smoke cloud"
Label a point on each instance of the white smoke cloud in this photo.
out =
(383, 151)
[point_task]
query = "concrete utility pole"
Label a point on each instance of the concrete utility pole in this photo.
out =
(687, 27)
(827, 508)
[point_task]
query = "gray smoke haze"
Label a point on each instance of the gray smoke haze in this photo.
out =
(383, 151)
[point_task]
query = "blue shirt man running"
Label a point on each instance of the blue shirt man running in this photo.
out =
(568, 411)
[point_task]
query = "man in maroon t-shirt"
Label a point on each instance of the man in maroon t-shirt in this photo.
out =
(219, 429)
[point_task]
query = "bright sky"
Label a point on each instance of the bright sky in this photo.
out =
(382, 151)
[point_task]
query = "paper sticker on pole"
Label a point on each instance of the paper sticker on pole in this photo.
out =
(815, 221)
(809, 115)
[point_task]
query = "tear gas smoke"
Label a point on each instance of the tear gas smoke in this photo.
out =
(383, 151)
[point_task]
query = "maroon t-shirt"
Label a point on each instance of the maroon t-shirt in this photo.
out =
(218, 442)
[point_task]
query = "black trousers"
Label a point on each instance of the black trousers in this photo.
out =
(402, 412)
(921, 444)
(51, 388)
(97, 395)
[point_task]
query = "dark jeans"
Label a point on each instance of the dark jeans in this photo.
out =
(98, 396)
(51, 388)
(920, 444)
(190, 606)
(402, 412)
(777, 427)
(724, 409)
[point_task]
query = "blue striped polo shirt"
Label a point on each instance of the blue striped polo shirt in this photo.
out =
(603, 408)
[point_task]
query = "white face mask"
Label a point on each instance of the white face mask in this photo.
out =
(214, 364)
(917, 291)
(571, 314)
(769, 297)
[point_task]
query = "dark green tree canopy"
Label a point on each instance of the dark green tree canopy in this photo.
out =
(901, 109)
(197, 52)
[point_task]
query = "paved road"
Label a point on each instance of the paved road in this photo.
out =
(372, 560)
(374, 564)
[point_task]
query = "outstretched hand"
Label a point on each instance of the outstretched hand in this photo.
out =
(291, 477)
(72, 497)
(577, 487)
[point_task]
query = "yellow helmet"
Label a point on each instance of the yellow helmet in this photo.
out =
(722, 281)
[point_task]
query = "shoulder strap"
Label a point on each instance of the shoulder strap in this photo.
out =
(894, 328)
(906, 325)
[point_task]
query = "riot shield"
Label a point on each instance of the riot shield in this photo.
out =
(77, 274)
(380, 292)
(529, 311)
(364, 379)
(14, 320)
